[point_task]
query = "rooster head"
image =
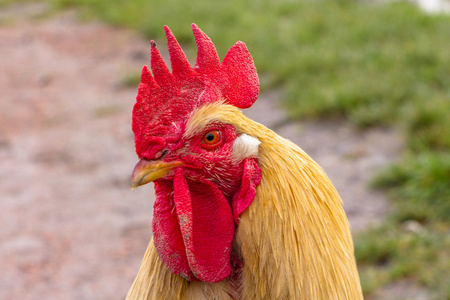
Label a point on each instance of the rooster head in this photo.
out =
(205, 171)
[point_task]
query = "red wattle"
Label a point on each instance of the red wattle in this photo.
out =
(207, 227)
(167, 236)
(251, 178)
(194, 230)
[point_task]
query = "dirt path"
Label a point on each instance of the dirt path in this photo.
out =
(70, 226)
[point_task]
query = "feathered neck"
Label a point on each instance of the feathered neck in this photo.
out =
(295, 234)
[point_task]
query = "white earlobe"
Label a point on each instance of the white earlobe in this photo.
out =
(245, 146)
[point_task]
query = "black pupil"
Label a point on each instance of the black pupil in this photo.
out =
(210, 137)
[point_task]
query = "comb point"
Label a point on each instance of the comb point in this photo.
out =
(180, 65)
(147, 78)
(207, 58)
(159, 68)
(243, 85)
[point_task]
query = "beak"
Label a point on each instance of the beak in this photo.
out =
(146, 171)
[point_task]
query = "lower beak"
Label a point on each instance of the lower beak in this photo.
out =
(146, 171)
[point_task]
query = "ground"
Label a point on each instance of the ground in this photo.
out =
(71, 226)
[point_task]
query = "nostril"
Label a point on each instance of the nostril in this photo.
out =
(161, 154)
(153, 148)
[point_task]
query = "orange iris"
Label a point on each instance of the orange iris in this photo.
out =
(212, 137)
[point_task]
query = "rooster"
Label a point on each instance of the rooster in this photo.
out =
(240, 212)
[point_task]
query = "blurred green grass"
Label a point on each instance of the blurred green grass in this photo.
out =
(372, 64)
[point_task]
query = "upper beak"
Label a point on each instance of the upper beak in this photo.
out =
(146, 171)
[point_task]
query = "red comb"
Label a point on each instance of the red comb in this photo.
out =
(166, 98)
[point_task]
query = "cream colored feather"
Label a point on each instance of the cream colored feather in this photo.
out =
(294, 239)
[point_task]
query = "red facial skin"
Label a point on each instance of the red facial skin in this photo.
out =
(212, 161)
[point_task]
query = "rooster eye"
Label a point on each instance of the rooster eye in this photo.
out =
(212, 138)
